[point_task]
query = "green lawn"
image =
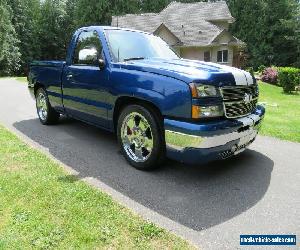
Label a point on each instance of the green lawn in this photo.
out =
(282, 117)
(21, 79)
(42, 207)
(18, 78)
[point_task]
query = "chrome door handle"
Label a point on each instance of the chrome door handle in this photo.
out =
(69, 76)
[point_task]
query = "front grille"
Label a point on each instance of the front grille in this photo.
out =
(239, 100)
(226, 154)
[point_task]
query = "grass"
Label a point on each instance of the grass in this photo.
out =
(21, 79)
(43, 207)
(282, 119)
(18, 78)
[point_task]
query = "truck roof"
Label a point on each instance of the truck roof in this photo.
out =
(103, 28)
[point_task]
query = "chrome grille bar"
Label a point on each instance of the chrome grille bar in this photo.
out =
(239, 101)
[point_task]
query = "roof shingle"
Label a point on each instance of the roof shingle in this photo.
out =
(190, 22)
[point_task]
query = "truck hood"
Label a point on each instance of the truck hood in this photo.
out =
(192, 71)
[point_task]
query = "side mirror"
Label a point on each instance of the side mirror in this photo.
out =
(88, 55)
(101, 63)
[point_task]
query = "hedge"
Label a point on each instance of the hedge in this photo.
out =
(288, 78)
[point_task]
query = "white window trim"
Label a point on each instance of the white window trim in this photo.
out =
(223, 56)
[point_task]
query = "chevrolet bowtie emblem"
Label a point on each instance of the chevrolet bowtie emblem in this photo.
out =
(247, 98)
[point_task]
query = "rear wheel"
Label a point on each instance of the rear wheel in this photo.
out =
(140, 137)
(46, 113)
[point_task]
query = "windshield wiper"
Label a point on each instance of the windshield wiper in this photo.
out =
(134, 58)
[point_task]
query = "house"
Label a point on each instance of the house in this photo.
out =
(195, 30)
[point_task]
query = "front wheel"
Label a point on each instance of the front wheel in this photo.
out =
(46, 113)
(140, 137)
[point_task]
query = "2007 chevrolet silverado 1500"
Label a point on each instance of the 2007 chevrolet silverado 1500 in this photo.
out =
(132, 83)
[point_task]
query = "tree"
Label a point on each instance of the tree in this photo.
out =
(42, 29)
(9, 51)
(24, 19)
(122, 7)
(69, 23)
(269, 29)
(154, 6)
(93, 12)
(51, 32)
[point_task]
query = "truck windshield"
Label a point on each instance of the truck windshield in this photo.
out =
(131, 45)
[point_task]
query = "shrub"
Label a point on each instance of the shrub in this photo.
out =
(270, 75)
(261, 68)
(250, 70)
(288, 78)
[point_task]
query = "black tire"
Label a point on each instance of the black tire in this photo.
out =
(50, 116)
(156, 157)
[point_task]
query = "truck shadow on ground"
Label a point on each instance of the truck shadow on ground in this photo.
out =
(198, 197)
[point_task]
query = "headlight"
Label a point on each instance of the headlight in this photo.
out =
(201, 90)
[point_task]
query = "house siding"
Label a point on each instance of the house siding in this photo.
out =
(196, 53)
(220, 43)
(167, 36)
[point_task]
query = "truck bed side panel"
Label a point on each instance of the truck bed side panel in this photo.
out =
(49, 74)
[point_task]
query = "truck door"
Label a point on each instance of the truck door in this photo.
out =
(85, 83)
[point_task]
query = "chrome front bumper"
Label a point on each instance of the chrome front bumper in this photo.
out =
(224, 140)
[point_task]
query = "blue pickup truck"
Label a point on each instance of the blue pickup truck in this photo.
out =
(159, 105)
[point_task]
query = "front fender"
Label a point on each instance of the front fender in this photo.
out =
(171, 96)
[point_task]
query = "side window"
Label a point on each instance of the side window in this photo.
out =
(220, 56)
(225, 55)
(88, 49)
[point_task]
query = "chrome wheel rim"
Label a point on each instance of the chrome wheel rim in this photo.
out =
(137, 137)
(41, 104)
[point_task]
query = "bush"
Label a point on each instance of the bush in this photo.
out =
(270, 75)
(261, 68)
(250, 70)
(288, 78)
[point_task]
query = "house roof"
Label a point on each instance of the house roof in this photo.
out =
(192, 23)
(163, 26)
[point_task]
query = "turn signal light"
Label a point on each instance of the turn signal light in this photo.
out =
(195, 111)
(194, 90)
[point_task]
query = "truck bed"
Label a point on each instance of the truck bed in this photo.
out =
(48, 63)
(49, 73)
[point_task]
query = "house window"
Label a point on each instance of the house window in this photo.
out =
(222, 56)
(207, 56)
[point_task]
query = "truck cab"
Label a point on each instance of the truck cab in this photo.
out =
(160, 105)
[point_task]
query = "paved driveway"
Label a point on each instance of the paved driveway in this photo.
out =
(211, 205)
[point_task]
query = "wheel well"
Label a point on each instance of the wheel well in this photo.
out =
(122, 102)
(37, 86)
